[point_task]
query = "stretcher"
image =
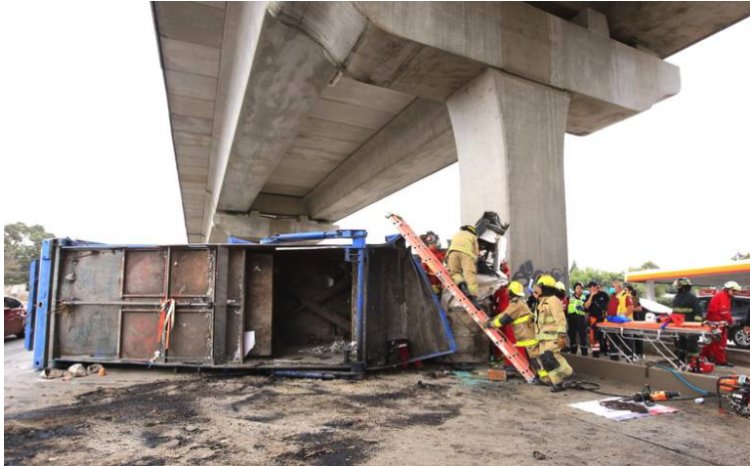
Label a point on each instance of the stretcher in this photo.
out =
(658, 335)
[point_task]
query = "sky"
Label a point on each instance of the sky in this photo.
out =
(87, 151)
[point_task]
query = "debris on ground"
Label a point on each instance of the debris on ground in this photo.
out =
(52, 373)
(96, 369)
(539, 455)
(78, 370)
(620, 409)
(74, 371)
(338, 346)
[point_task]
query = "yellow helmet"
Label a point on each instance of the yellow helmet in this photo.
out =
(546, 280)
(516, 288)
(560, 286)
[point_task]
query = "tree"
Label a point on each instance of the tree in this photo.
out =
(585, 275)
(648, 265)
(659, 290)
(22, 244)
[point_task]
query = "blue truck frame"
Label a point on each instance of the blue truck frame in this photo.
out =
(42, 283)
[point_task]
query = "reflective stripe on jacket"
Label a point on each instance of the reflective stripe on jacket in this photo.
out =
(519, 315)
(575, 306)
(465, 242)
(551, 321)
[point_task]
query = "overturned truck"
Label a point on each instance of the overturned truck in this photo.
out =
(282, 305)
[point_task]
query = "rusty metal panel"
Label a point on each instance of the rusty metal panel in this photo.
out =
(191, 272)
(259, 307)
(144, 273)
(90, 275)
(87, 331)
(140, 336)
(235, 305)
(191, 337)
(220, 305)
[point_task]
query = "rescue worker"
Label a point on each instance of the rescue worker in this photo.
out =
(577, 321)
(462, 260)
(432, 241)
(596, 306)
(686, 304)
(720, 310)
(551, 331)
(518, 316)
(620, 305)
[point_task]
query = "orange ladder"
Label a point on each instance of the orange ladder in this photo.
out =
(498, 339)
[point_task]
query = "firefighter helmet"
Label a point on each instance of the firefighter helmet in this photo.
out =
(516, 288)
(560, 286)
(680, 282)
(546, 280)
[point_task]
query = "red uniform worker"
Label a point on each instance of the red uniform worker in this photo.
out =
(720, 310)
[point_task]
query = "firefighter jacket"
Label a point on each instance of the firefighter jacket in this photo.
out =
(465, 242)
(550, 319)
(720, 308)
(687, 304)
(575, 305)
(519, 316)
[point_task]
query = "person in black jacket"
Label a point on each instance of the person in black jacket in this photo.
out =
(596, 307)
(686, 304)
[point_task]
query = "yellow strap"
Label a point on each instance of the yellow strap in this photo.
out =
(542, 373)
(527, 343)
(521, 319)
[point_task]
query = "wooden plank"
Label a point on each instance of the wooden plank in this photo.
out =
(220, 305)
(259, 303)
(317, 307)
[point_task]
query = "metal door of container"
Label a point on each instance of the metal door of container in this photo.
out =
(110, 303)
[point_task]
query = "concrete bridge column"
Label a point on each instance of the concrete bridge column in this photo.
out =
(509, 135)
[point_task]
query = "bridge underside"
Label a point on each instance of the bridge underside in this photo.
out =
(290, 116)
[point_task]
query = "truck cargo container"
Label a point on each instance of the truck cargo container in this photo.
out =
(282, 304)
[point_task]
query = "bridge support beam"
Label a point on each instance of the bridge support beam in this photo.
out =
(509, 136)
(254, 226)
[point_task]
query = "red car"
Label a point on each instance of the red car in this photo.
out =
(15, 317)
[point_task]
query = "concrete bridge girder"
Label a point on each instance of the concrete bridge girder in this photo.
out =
(352, 98)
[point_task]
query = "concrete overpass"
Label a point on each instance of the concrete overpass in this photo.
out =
(290, 116)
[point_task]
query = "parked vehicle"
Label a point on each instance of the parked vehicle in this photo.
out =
(740, 313)
(741, 316)
(15, 317)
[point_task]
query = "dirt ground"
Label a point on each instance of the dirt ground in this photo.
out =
(150, 417)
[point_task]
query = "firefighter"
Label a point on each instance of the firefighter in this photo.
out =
(551, 331)
(462, 260)
(577, 321)
(432, 241)
(686, 304)
(720, 310)
(518, 316)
